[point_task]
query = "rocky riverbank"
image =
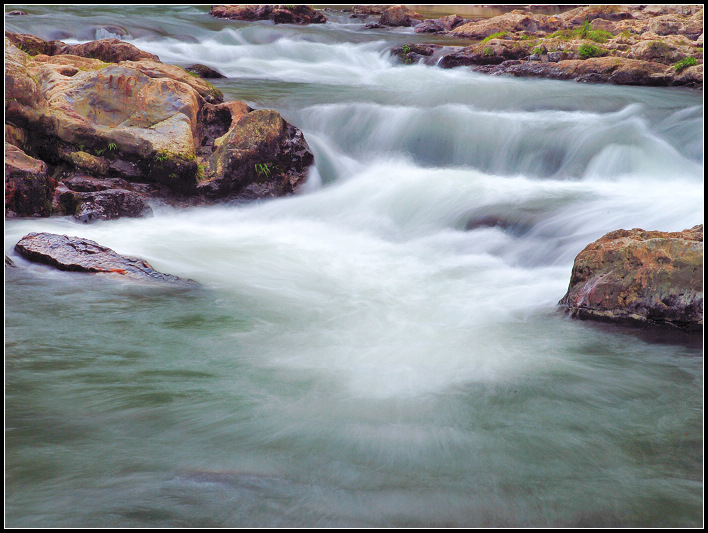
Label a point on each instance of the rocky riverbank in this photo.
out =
(624, 45)
(100, 130)
(103, 130)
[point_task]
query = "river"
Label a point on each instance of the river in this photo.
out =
(383, 349)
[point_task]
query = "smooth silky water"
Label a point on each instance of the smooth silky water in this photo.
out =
(382, 349)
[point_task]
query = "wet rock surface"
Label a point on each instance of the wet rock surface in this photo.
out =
(28, 187)
(279, 14)
(640, 277)
(624, 45)
(441, 25)
(204, 71)
(77, 254)
(148, 130)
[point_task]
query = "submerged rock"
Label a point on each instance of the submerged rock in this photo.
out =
(77, 254)
(645, 277)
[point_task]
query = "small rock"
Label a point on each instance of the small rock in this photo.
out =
(203, 71)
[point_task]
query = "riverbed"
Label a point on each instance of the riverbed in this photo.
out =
(382, 349)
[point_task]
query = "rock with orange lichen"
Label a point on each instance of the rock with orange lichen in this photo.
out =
(638, 276)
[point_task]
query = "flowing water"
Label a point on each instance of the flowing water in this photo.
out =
(382, 349)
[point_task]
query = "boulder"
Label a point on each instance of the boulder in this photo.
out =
(280, 14)
(645, 277)
(690, 77)
(107, 50)
(242, 12)
(77, 254)
(88, 199)
(399, 16)
(297, 14)
(95, 111)
(142, 122)
(667, 51)
(366, 10)
(691, 27)
(676, 9)
(578, 16)
(203, 71)
(516, 21)
(260, 156)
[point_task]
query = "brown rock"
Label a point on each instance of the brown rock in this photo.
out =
(399, 16)
(260, 156)
(646, 277)
(242, 12)
(82, 255)
(107, 50)
(297, 14)
(441, 25)
(88, 199)
(367, 10)
(516, 21)
(578, 16)
(666, 51)
(691, 77)
(676, 9)
(144, 121)
(281, 14)
(28, 187)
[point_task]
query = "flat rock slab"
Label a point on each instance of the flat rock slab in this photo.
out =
(77, 254)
